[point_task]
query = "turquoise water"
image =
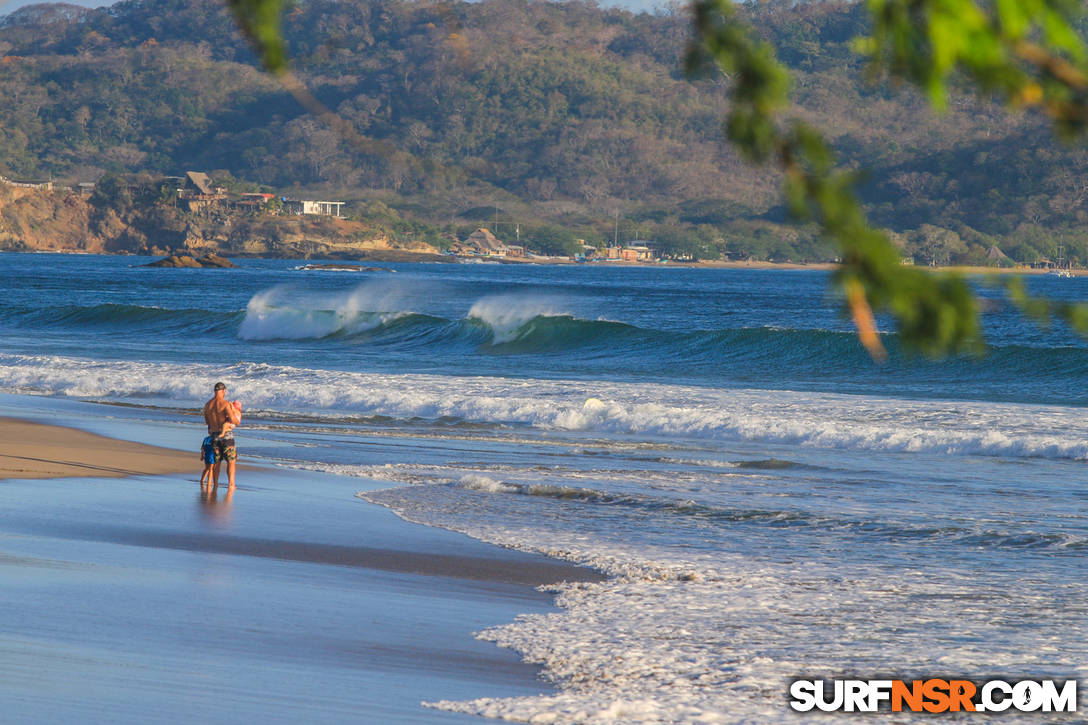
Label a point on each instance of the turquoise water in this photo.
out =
(771, 503)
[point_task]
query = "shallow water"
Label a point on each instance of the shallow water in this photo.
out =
(770, 503)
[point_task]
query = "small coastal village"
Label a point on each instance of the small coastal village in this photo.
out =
(196, 195)
(328, 228)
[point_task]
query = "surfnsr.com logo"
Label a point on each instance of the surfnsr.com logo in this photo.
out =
(934, 695)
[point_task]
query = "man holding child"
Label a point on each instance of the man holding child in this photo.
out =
(222, 416)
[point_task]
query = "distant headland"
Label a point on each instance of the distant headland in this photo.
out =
(191, 222)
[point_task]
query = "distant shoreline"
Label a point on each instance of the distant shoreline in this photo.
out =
(760, 265)
(705, 264)
(401, 255)
(827, 266)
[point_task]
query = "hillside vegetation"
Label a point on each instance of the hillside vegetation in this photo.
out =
(568, 120)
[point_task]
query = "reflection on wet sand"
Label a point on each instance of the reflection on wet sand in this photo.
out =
(216, 506)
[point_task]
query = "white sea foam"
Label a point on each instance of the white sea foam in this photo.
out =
(285, 313)
(679, 636)
(531, 482)
(819, 420)
(477, 482)
(506, 314)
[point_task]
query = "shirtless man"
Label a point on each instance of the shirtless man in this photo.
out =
(221, 417)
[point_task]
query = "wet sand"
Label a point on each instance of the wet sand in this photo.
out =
(34, 450)
(139, 600)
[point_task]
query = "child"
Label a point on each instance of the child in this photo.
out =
(207, 454)
(228, 426)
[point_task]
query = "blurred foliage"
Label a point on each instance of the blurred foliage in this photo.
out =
(261, 21)
(936, 313)
(1027, 52)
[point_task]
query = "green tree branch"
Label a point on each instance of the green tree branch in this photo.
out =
(936, 313)
(1026, 52)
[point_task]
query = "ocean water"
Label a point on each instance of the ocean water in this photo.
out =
(770, 503)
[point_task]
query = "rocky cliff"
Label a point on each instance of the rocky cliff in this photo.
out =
(62, 220)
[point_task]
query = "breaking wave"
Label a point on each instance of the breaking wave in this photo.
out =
(386, 316)
(822, 420)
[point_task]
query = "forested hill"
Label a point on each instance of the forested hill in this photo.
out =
(566, 115)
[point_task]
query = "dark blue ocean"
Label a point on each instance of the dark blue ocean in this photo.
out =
(719, 328)
(770, 502)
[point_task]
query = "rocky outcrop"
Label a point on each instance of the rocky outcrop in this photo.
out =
(64, 221)
(214, 260)
(45, 220)
(184, 260)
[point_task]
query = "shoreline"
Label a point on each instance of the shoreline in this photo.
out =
(38, 451)
(407, 256)
(131, 596)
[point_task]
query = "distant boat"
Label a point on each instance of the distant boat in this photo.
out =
(1059, 270)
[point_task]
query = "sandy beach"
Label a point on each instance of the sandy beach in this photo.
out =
(34, 450)
(129, 598)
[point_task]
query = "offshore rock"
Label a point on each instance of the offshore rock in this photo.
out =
(185, 261)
